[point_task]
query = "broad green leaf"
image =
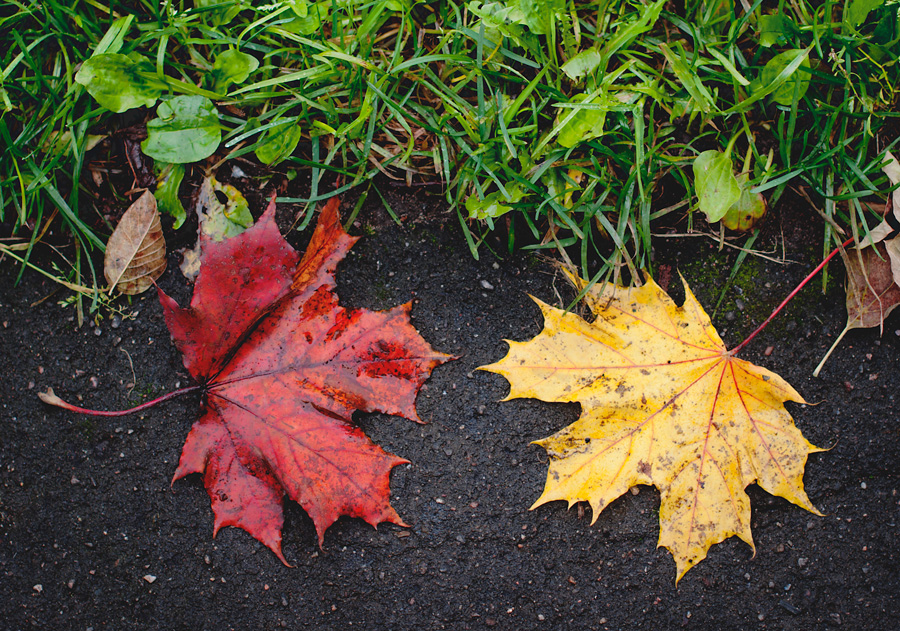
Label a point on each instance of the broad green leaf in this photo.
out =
(747, 210)
(232, 66)
(498, 21)
(308, 18)
(859, 10)
(587, 123)
(774, 29)
(583, 63)
(494, 204)
(717, 187)
(279, 143)
(538, 15)
(168, 181)
(760, 89)
(186, 130)
(299, 7)
(885, 33)
(784, 93)
(113, 80)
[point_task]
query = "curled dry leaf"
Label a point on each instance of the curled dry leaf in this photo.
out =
(136, 251)
(872, 292)
(663, 403)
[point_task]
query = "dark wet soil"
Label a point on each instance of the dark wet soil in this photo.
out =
(93, 536)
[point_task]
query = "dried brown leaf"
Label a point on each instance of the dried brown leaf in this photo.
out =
(136, 251)
(871, 291)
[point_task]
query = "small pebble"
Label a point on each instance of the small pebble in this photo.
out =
(486, 285)
(788, 607)
(149, 578)
(730, 316)
(38, 588)
(739, 304)
(801, 562)
(769, 350)
(862, 485)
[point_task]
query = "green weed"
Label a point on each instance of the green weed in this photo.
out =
(572, 126)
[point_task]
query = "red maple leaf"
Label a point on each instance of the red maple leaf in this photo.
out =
(283, 368)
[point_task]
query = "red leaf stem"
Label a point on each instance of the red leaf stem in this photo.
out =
(737, 349)
(51, 399)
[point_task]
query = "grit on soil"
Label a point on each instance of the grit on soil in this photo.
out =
(93, 536)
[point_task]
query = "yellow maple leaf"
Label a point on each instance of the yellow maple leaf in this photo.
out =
(663, 403)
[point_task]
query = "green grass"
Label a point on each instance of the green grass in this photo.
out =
(568, 126)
